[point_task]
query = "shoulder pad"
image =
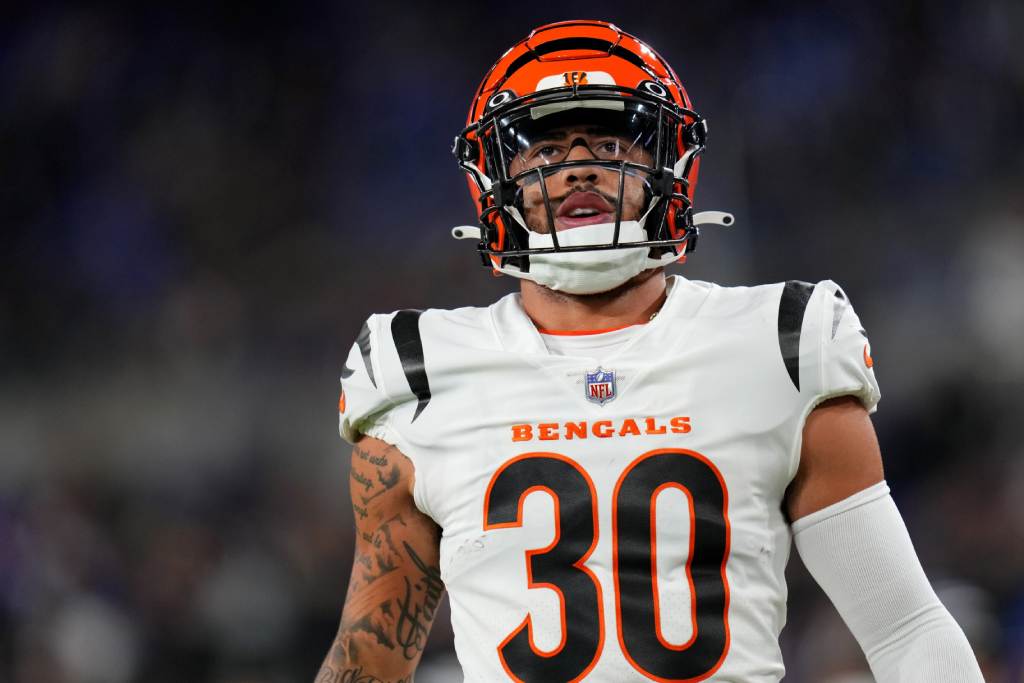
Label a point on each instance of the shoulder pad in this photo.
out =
(823, 346)
(384, 370)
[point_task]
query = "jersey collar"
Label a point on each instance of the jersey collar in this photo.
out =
(516, 332)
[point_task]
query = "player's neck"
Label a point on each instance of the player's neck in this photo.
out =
(634, 302)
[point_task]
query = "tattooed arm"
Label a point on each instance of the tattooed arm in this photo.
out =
(395, 587)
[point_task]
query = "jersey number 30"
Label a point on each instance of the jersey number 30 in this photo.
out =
(561, 566)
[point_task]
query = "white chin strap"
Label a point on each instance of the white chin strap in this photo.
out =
(591, 272)
(588, 272)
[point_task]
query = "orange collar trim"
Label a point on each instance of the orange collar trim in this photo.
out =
(581, 333)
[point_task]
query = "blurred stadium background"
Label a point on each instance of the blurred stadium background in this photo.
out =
(200, 206)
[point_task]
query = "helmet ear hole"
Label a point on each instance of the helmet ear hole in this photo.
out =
(465, 151)
(697, 133)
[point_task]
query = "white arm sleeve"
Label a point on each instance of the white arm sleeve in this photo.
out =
(859, 552)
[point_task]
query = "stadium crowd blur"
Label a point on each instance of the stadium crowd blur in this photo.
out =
(200, 206)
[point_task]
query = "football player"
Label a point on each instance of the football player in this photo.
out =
(606, 469)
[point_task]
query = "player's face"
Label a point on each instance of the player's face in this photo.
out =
(580, 195)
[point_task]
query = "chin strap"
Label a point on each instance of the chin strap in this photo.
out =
(720, 218)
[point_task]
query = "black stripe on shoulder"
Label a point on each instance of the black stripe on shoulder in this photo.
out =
(405, 328)
(792, 307)
(839, 306)
(364, 348)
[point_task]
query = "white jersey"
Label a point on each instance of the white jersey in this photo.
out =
(618, 516)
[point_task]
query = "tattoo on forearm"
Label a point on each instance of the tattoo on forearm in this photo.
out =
(362, 479)
(391, 479)
(417, 609)
(363, 454)
(382, 536)
(393, 593)
(387, 482)
(377, 630)
(382, 541)
(357, 675)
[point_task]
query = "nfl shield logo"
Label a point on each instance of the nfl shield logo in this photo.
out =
(600, 386)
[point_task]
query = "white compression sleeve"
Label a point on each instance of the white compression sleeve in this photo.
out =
(859, 552)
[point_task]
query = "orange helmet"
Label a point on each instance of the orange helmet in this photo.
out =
(582, 70)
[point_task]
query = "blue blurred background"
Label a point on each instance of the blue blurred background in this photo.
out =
(200, 205)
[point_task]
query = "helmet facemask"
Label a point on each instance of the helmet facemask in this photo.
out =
(631, 141)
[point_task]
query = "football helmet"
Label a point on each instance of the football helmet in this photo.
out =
(621, 102)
